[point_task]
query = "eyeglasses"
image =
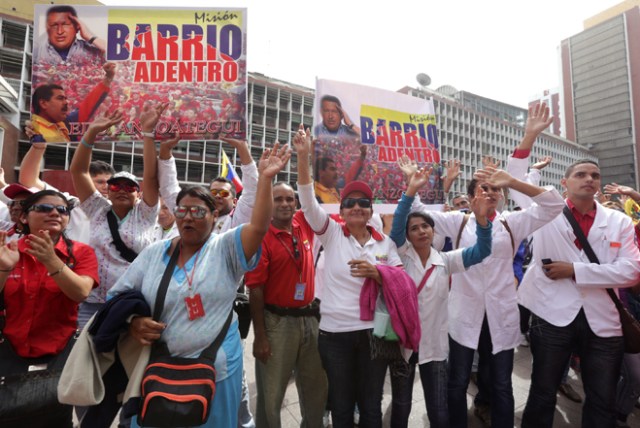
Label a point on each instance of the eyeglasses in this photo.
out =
(196, 212)
(351, 202)
(220, 192)
(19, 204)
(47, 208)
(129, 188)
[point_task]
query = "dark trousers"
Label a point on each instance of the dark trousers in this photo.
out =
(353, 378)
(600, 360)
(500, 367)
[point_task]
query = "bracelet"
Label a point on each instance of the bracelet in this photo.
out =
(148, 134)
(87, 145)
(57, 272)
(93, 39)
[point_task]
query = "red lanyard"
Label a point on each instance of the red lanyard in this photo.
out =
(425, 278)
(296, 260)
(193, 270)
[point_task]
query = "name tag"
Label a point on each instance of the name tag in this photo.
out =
(615, 244)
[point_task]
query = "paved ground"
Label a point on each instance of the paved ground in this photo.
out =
(568, 413)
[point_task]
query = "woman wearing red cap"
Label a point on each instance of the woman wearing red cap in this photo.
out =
(352, 250)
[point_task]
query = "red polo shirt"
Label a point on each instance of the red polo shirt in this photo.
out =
(40, 317)
(279, 270)
(585, 221)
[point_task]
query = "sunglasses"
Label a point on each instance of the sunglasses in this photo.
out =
(129, 188)
(351, 202)
(12, 204)
(220, 192)
(196, 212)
(296, 250)
(47, 208)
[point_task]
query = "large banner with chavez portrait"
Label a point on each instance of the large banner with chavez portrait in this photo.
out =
(107, 58)
(360, 134)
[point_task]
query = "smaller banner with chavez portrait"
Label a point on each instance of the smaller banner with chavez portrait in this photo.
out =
(361, 132)
(88, 60)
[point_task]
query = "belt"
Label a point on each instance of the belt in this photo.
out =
(312, 309)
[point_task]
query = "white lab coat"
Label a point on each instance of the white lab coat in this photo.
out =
(489, 287)
(559, 301)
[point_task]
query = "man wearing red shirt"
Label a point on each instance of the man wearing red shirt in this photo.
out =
(285, 316)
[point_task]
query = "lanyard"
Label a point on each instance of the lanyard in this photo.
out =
(193, 270)
(425, 278)
(296, 260)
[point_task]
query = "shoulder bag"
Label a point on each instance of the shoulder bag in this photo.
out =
(630, 326)
(178, 391)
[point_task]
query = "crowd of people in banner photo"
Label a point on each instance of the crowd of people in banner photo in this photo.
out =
(132, 301)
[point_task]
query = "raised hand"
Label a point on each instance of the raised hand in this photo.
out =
(480, 205)
(167, 146)
(9, 255)
(274, 160)
(538, 119)
(417, 180)
(407, 166)
(617, 189)
(105, 122)
(490, 162)
(493, 177)
(41, 247)
(150, 116)
(302, 140)
(542, 163)
(109, 70)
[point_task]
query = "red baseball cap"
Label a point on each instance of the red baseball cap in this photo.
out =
(357, 186)
(15, 189)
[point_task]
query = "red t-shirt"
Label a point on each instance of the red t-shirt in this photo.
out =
(40, 317)
(585, 221)
(279, 270)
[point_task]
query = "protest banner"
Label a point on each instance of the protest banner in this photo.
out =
(360, 134)
(194, 59)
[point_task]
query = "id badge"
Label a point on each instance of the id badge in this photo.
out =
(300, 287)
(194, 307)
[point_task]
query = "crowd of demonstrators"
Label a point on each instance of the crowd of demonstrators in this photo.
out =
(440, 307)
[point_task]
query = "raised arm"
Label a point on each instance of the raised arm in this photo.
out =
(168, 172)
(271, 163)
(453, 171)
(30, 166)
(500, 178)
(538, 120)
(246, 202)
(79, 167)
(150, 185)
(482, 248)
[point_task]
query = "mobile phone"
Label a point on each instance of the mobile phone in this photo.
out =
(546, 261)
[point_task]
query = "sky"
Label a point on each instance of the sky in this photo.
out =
(506, 50)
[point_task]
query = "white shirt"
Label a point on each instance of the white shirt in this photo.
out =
(489, 287)
(136, 231)
(340, 308)
(433, 299)
(559, 301)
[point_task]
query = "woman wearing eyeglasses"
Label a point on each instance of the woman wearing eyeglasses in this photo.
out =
(43, 277)
(352, 252)
(203, 285)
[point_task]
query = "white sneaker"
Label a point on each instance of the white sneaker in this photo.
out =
(326, 419)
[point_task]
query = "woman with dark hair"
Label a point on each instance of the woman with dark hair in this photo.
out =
(431, 271)
(203, 285)
(44, 276)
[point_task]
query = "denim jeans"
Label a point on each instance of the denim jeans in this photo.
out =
(600, 360)
(629, 384)
(353, 377)
(500, 367)
(402, 375)
(433, 376)
(294, 348)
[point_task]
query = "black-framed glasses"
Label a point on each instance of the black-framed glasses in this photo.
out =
(296, 250)
(195, 211)
(351, 202)
(47, 208)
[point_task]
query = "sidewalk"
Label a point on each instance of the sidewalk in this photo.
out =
(568, 413)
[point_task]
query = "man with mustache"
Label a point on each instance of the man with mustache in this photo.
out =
(285, 316)
(51, 111)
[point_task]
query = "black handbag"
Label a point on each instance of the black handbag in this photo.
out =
(29, 386)
(630, 326)
(178, 391)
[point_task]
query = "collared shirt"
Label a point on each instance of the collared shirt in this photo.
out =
(40, 317)
(585, 221)
(215, 276)
(55, 132)
(280, 271)
(340, 308)
(79, 51)
(136, 231)
(327, 195)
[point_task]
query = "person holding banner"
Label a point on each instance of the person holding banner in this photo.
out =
(353, 250)
(61, 44)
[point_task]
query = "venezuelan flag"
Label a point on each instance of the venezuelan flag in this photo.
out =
(229, 172)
